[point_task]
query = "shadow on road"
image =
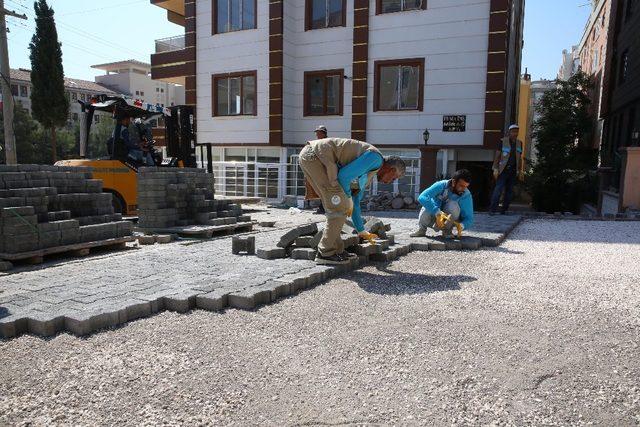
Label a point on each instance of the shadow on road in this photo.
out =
(402, 283)
(3, 312)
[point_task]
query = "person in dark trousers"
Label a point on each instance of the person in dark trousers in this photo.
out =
(321, 133)
(507, 164)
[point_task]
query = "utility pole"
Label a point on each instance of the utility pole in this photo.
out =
(5, 80)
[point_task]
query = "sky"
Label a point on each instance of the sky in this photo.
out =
(100, 31)
(549, 27)
(92, 32)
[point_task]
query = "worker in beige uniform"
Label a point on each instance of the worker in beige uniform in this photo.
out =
(339, 169)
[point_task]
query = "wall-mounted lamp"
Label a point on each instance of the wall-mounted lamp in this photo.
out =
(425, 136)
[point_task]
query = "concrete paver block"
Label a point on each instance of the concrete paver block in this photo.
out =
(249, 298)
(243, 244)
(271, 253)
(181, 302)
(471, 243)
(304, 253)
(146, 240)
(164, 238)
(213, 301)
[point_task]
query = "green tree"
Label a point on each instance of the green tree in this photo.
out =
(561, 169)
(100, 133)
(28, 134)
(49, 103)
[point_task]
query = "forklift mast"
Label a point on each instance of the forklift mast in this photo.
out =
(180, 135)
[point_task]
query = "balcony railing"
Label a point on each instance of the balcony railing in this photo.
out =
(170, 44)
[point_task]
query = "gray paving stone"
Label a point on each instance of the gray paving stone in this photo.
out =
(243, 244)
(304, 253)
(182, 301)
(471, 243)
(271, 253)
(213, 301)
(249, 298)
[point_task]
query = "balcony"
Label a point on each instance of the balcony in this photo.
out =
(172, 60)
(174, 8)
(170, 44)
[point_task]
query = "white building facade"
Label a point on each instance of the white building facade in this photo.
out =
(133, 78)
(262, 75)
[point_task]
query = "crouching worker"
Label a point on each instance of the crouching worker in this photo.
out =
(339, 170)
(446, 205)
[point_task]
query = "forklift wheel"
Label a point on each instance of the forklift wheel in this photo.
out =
(118, 205)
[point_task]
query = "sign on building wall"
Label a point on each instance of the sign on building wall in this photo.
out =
(454, 123)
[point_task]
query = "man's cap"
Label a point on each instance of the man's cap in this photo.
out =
(321, 128)
(514, 127)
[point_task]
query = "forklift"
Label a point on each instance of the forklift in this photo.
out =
(118, 171)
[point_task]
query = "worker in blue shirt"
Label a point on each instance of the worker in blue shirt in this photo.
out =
(339, 169)
(445, 205)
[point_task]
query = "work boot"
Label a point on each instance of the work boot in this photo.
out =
(420, 233)
(347, 255)
(330, 260)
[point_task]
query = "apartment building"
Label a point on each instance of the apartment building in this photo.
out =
(76, 90)
(133, 78)
(620, 152)
(570, 63)
(434, 81)
(592, 52)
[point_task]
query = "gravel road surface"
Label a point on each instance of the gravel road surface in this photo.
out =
(544, 330)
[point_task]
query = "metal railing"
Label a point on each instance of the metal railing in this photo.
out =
(169, 44)
(277, 181)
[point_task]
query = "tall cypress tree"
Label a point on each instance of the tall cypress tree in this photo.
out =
(49, 105)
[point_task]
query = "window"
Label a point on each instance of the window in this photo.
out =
(234, 15)
(74, 96)
(325, 14)
(234, 94)
(14, 90)
(141, 93)
(323, 93)
(399, 85)
(161, 90)
(391, 6)
(82, 97)
(624, 66)
(157, 89)
(137, 92)
(24, 92)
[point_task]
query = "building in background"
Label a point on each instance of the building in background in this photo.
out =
(524, 114)
(592, 51)
(263, 75)
(620, 152)
(133, 78)
(77, 90)
(570, 63)
(538, 89)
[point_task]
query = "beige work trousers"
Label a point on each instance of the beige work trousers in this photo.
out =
(335, 201)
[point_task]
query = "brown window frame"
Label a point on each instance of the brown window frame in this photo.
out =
(214, 19)
(323, 73)
(380, 12)
(308, 4)
(214, 95)
(398, 62)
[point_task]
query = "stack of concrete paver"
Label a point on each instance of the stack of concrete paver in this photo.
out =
(302, 243)
(45, 207)
(180, 197)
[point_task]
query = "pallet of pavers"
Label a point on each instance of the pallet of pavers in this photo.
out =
(46, 210)
(181, 201)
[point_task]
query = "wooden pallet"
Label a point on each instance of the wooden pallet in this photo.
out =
(200, 231)
(75, 250)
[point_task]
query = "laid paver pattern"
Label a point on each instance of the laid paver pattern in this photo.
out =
(82, 296)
